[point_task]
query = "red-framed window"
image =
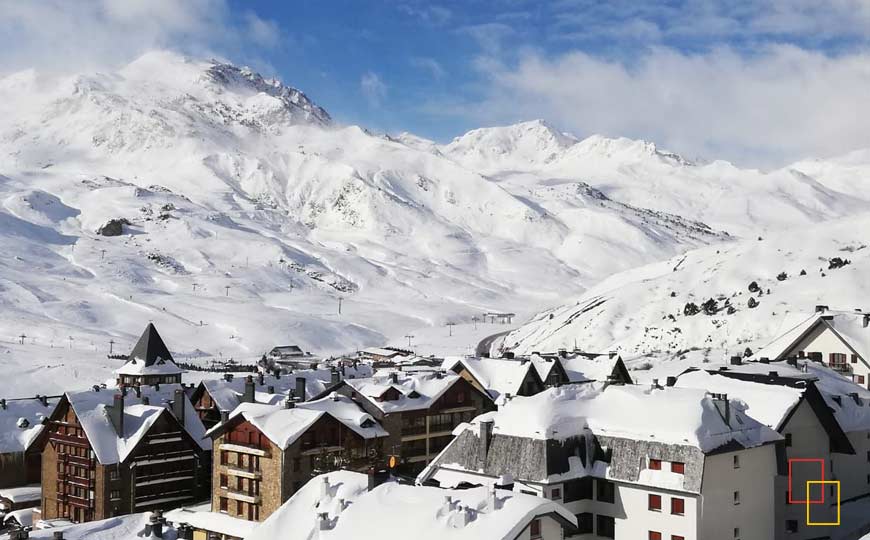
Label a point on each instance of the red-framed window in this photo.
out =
(655, 464)
(655, 535)
(655, 503)
(678, 467)
(677, 537)
(678, 506)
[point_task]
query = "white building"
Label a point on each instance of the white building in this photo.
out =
(630, 462)
(345, 505)
(825, 420)
(838, 339)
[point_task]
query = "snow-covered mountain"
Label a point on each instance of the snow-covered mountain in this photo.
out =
(246, 212)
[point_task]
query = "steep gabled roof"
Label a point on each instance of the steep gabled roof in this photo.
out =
(150, 356)
(497, 376)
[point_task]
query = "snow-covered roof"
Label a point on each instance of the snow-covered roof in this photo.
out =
(22, 493)
(149, 356)
(849, 325)
(498, 376)
(91, 408)
(681, 416)
(227, 395)
(416, 390)
(588, 367)
(770, 404)
(14, 438)
(388, 353)
(201, 517)
(408, 512)
(115, 528)
(284, 426)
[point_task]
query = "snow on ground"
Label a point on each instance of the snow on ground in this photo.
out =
(249, 217)
(642, 313)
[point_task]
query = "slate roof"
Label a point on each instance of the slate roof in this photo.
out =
(149, 356)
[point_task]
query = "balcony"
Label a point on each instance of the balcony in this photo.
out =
(841, 367)
(253, 474)
(244, 449)
(241, 496)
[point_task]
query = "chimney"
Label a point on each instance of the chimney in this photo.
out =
(510, 355)
(228, 377)
(248, 395)
(563, 353)
(225, 417)
(671, 381)
(154, 528)
(439, 374)
(655, 384)
(323, 521)
(866, 320)
(261, 379)
(178, 405)
(494, 503)
(270, 389)
(156, 387)
(116, 414)
(300, 388)
(723, 406)
(335, 377)
(394, 378)
(821, 309)
(448, 503)
(3, 404)
(764, 360)
(484, 435)
(523, 360)
(792, 361)
(138, 391)
(146, 400)
(736, 360)
(324, 486)
(277, 373)
(289, 403)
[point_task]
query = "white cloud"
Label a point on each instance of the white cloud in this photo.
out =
(373, 88)
(782, 104)
(489, 36)
(92, 34)
(430, 65)
(431, 14)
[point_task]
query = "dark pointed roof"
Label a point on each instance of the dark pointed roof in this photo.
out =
(150, 347)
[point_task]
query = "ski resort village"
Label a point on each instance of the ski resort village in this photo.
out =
(450, 291)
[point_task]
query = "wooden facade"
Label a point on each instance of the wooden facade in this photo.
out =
(167, 468)
(253, 477)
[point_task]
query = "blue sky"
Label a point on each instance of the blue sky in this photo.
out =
(760, 82)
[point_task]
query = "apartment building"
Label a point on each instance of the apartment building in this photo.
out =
(20, 425)
(108, 452)
(629, 462)
(419, 410)
(264, 453)
(837, 339)
(825, 421)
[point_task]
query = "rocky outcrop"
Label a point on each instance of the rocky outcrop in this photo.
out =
(113, 227)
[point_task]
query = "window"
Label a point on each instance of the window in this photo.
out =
(655, 535)
(556, 494)
(223, 481)
(114, 474)
(115, 494)
(584, 523)
(677, 537)
(788, 439)
(655, 464)
(837, 359)
(535, 528)
(791, 526)
(677, 467)
(655, 503)
(224, 457)
(736, 532)
(606, 491)
(736, 461)
(223, 504)
(860, 379)
(736, 497)
(854, 358)
(678, 506)
(606, 526)
(578, 490)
